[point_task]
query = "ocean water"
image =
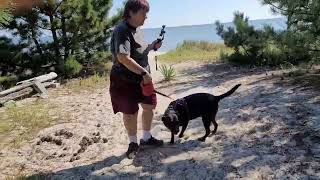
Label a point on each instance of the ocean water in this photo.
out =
(176, 35)
(206, 32)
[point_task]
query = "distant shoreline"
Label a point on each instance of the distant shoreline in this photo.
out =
(188, 25)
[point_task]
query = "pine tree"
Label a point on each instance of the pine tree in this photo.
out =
(303, 22)
(59, 29)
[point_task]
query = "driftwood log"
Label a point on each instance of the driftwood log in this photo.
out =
(28, 83)
(16, 95)
(27, 87)
(43, 78)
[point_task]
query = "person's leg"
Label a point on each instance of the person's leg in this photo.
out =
(130, 123)
(123, 98)
(147, 116)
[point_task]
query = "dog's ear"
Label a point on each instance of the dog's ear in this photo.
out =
(165, 119)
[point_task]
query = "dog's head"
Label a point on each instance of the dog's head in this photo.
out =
(171, 121)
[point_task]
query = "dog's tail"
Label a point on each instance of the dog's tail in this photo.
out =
(229, 92)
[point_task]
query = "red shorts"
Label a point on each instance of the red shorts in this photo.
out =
(126, 96)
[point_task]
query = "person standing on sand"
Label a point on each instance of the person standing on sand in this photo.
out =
(130, 68)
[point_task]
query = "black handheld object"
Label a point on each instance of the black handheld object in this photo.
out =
(161, 36)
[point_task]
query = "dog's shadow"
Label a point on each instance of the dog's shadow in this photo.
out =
(149, 157)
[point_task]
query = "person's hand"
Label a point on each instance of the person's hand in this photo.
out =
(156, 45)
(147, 79)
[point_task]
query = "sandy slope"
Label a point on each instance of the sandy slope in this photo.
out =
(267, 130)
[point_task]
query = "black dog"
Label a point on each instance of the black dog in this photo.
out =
(181, 111)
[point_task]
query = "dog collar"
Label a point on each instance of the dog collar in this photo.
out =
(182, 102)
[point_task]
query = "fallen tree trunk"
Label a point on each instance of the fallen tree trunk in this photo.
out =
(43, 78)
(14, 89)
(28, 83)
(23, 93)
(16, 95)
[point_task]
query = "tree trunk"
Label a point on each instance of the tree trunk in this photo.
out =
(37, 43)
(54, 35)
(65, 38)
(59, 60)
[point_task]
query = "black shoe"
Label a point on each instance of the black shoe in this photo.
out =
(151, 142)
(132, 150)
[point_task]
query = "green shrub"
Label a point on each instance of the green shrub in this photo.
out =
(168, 72)
(7, 82)
(72, 67)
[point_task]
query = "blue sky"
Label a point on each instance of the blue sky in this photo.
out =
(192, 12)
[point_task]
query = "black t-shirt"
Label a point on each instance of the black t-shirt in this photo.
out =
(128, 40)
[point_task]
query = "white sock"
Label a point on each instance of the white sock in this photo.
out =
(146, 135)
(133, 139)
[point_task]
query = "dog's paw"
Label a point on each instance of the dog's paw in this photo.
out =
(181, 135)
(201, 139)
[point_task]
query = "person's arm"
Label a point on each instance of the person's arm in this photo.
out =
(133, 66)
(122, 50)
(129, 63)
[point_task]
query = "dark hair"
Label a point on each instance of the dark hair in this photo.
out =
(134, 6)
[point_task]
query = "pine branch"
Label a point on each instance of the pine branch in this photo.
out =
(287, 11)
